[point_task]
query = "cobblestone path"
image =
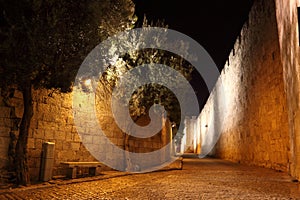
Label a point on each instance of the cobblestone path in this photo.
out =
(199, 179)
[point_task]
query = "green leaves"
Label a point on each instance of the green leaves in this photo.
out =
(45, 41)
(145, 96)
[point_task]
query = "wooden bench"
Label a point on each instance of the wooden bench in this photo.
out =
(73, 166)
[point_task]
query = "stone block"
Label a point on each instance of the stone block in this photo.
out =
(93, 148)
(34, 162)
(49, 134)
(65, 155)
(4, 142)
(38, 143)
(60, 135)
(69, 136)
(3, 163)
(47, 125)
(118, 134)
(75, 146)
(120, 141)
(87, 139)
(50, 117)
(76, 137)
(59, 145)
(97, 139)
(131, 143)
(156, 145)
(6, 122)
(70, 119)
(74, 129)
(35, 153)
(67, 102)
(67, 128)
(109, 133)
(67, 146)
(5, 112)
(114, 141)
(31, 143)
(34, 173)
(39, 133)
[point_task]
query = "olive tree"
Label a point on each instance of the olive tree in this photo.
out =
(43, 44)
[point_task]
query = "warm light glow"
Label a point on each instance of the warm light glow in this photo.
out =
(87, 82)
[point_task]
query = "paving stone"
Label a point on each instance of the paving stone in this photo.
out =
(199, 179)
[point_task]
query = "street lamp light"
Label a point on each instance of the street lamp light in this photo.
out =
(173, 124)
(88, 82)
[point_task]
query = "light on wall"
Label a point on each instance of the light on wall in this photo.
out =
(173, 124)
(88, 82)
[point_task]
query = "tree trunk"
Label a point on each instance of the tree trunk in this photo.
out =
(22, 171)
(128, 163)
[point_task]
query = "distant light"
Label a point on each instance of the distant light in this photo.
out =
(173, 125)
(88, 82)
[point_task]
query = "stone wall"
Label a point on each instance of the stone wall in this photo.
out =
(288, 32)
(11, 110)
(246, 113)
(191, 140)
(53, 121)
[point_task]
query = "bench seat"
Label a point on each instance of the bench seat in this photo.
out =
(72, 168)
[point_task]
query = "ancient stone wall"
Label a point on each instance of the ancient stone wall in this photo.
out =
(288, 32)
(191, 139)
(53, 121)
(11, 111)
(248, 106)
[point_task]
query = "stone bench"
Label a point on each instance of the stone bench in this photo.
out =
(73, 166)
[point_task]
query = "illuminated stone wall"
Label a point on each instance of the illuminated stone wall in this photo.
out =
(287, 22)
(248, 105)
(53, 121)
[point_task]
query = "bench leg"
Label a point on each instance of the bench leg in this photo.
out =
(92, 171)
(71, 172)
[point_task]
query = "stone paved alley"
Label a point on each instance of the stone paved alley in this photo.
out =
(199, 179)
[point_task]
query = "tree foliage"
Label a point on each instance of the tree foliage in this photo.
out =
(43, 43)
(147, 95)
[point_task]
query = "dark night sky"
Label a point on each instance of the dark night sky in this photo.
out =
(214, 24)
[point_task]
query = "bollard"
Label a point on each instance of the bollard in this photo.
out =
(47, 161)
